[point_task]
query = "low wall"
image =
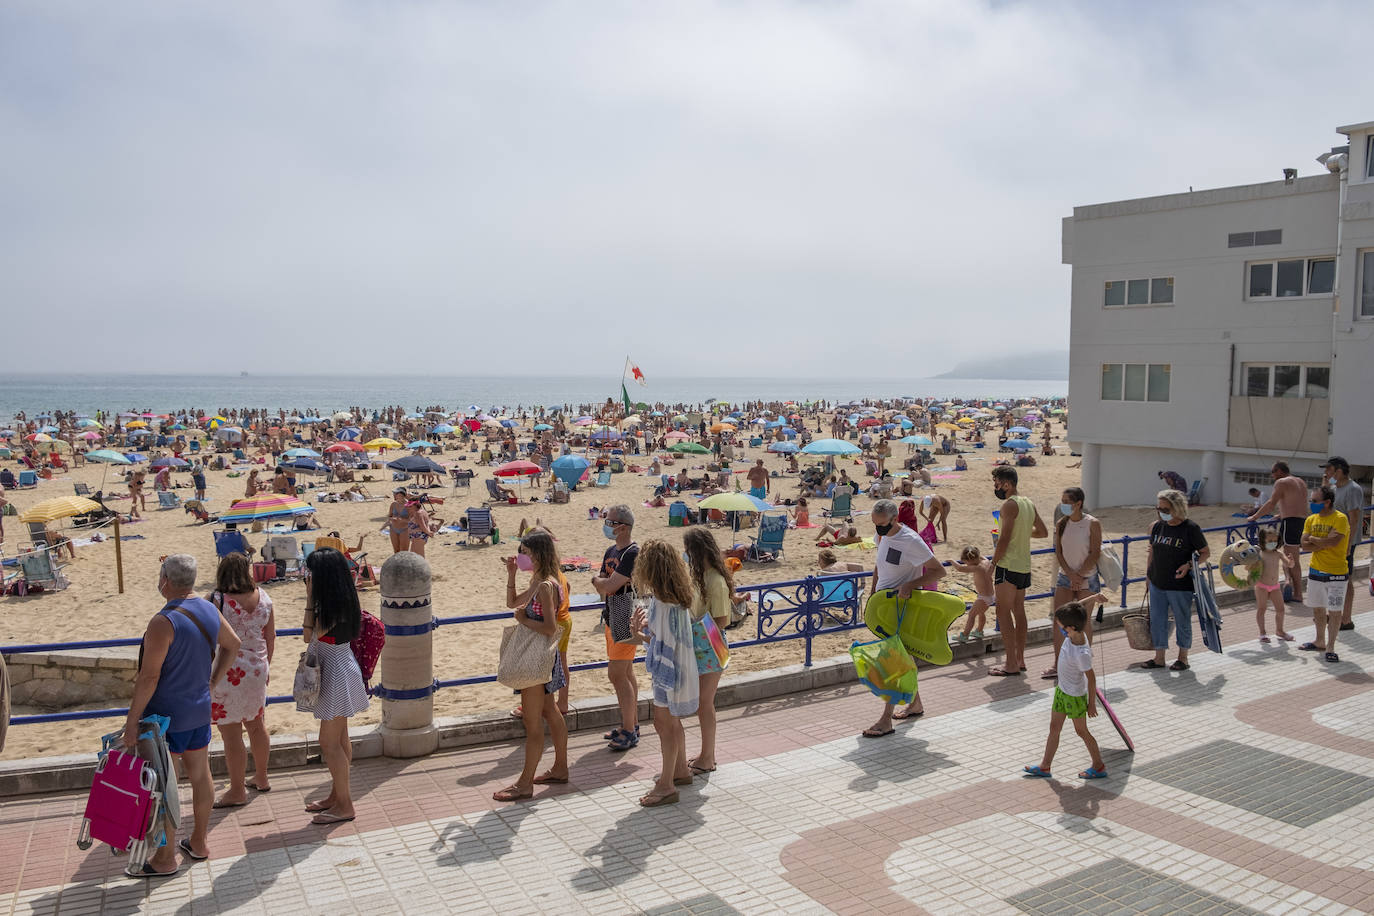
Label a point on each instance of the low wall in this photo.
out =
(53, 681)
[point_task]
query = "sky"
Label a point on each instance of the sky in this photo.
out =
(716, 188)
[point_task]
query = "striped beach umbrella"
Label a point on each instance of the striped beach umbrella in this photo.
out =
(276, 505)
(50, 510)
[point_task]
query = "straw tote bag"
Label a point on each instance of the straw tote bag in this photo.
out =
(526, 657)
(1137, 626)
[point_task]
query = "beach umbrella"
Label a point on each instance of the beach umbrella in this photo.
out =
(657, 413)
(606, 435)
(569, 469)
(7, 434)
(676, 436)
(5, 452)
(107, 456)
(867, 421)
(583, 421)
(918, 440)
(38, 437)
(337, 447)
(508, 424)
(52, 445)
(301, 453)
(735, 502)
(91, 436)
(48, 429)
(135, 457)
(631, 420)
(229, 433)
(782, 448)
(1019, 431)
(472, 425)
(540, 427)
(349, 434)
(50, 510)
(830, 447)
(949, 427)
(170, 461)
(688, 448)
(421, 443)
(343, 416)
(518, 469)
(139, 433)
(1019, 445)
(136, 424)
(484, 417)
(416, 464)
(444, 429)
(723, 427)
(276, 505)
(305, 464)
(381, 443)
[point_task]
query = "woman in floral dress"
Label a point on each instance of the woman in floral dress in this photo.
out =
(238, 701)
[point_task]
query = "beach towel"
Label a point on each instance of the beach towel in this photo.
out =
(865, 544)
(131, 537)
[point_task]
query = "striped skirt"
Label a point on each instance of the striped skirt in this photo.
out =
(341, 682)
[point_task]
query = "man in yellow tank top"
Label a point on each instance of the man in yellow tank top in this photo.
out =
(1011, 560)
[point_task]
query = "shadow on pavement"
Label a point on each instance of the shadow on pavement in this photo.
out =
(625, 848)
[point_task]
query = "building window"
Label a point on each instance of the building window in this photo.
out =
(1149, 291)
(1367, 284)
(1285, 380)
(1288, 278)
(1135, 382)
(1247, 239)
(1369, 156)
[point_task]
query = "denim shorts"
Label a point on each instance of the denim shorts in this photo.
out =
(193, 739)
(1093, 583)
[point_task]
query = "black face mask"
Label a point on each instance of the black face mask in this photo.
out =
(999, 493)
(884, 529)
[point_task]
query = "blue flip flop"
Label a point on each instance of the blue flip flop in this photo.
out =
(1091, 773)
(1037, 772)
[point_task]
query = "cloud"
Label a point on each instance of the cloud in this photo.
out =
(719, 188)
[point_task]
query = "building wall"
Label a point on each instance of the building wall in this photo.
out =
(1352, 430)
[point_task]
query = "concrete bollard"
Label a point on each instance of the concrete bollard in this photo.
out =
(407, 663)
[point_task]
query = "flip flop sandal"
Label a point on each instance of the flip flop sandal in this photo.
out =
(511, 794)
(1091, 773)
(185, 846)
(229, 804)
(654, 801)
(147, 871)
(1332, 657)
(1179, 666)
(548, 780)
(257, 788)
(324, 819)
(1311, 647)
(870, 733)
(1152, 665)
(1049, 674)
(1003, 672)
(901, 714)
(1036, 772)
(700, 771)
(682, 781)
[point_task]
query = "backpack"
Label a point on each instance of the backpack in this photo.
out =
(367, 647)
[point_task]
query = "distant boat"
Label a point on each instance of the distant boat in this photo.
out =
(243, 375)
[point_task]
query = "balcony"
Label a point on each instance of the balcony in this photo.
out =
(1279, 424)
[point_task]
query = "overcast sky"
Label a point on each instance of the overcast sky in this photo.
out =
(732, 188)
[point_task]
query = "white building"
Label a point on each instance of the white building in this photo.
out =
(1215, 332)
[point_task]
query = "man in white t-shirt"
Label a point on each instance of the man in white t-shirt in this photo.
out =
(905, 563)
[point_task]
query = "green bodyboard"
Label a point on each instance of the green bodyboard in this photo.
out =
(925, 621)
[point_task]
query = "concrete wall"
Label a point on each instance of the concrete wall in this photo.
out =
(1278, 425)
(1352, 375)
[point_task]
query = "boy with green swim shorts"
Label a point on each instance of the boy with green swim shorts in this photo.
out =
(1075, 697)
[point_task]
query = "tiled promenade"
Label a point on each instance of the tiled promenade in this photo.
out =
(1250, 791)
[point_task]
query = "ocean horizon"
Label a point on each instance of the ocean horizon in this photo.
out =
(37, 393)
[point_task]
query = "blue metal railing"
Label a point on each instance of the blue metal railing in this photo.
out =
(794, 609)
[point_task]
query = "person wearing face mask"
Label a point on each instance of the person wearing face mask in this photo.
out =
(1077, 545)
(1011, 561)
(1350, 502)
(187, 649)
(1169, 567)
(906, 564)
(613, 585)
(1290, 496)
(1325, 533)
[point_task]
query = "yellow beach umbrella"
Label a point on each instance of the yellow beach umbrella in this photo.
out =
(59, 507)
(136, 424)
(381, 443)
(949, 426)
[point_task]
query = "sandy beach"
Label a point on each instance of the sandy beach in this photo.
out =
(470, 580)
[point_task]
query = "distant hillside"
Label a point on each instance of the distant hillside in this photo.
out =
(1048, 365)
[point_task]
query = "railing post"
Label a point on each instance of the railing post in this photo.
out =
(1125, 567)
(407, 663)
(809, 606)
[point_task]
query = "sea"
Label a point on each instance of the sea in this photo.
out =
(35, 394)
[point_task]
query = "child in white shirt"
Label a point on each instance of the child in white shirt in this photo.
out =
(1075, 697)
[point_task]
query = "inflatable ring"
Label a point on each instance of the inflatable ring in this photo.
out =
(1240, 564)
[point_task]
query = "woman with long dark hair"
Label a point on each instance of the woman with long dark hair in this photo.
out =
(333, 619)
(536, 607)
(1077, 546)
(714, 585)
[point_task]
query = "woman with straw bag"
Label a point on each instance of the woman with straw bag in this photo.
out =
(530, 663)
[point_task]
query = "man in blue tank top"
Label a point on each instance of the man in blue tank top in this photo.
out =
(179, 663)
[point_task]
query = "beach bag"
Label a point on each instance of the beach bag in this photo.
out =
(928, 535)
(1109, 567)
(526, 658)
(1137, 626)
(717, 639)
(886, 668)
(306, 688)
(367, 647)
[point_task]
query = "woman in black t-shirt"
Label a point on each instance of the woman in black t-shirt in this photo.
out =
(1173, 541)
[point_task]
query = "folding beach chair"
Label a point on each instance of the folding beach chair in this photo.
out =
(462, 477)
(603, 479)
(364, 576)
(1195, 494)
(41, 569)
(840, 504)
(168, 500)
(28, 479)
(479, 524)
(282, 550)
(82, 489)
(768, 545)
(231, 541)
(494, 493)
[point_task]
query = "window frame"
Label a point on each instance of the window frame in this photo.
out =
(1271, 370)
(1273, 265)
(1150, 284)
(1365, 278)
(1122, 370)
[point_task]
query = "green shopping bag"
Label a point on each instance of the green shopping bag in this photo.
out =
(886, 668)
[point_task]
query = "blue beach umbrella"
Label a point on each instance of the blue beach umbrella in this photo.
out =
(133, 457)
(540, 427)
(569, 468)
(349, 434)
(1019, 445)
(301, 453)
(830, 447)
(783, 448)
(442, 429)
(1019, 431)
(421, 443)
(169, 461)
(305, 464)
(416, 464)
(917, 440)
